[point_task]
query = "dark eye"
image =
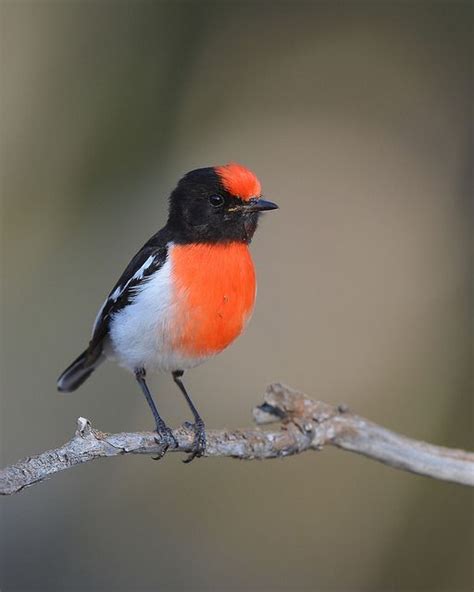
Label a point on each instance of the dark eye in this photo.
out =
(216, 200)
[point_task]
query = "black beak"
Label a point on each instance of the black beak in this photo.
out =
(260, 205)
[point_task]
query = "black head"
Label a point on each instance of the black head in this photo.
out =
(216, 204)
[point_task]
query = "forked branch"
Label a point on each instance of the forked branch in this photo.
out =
(305, 425)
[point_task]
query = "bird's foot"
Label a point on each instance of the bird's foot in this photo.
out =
(165, 439)
(199, 444)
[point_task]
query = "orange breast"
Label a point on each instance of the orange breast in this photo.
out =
(215, 290)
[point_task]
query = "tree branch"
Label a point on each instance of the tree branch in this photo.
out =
(305, 425)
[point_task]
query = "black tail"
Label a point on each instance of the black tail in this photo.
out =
(79, 371)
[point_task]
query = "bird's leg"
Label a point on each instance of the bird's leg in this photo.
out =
(199, 445)
(165, 433)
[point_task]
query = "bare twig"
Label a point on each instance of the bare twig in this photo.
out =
(306, 425)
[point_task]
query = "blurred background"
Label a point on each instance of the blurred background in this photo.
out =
(356, 117)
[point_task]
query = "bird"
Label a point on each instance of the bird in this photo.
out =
(186, 295)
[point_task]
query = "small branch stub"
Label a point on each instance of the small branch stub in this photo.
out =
(83, 427)
(305, 424)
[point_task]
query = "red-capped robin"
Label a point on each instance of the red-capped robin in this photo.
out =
(187, 294)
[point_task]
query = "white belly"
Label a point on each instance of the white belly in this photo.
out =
(140, 332)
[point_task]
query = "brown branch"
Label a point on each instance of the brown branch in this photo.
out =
(306, 425)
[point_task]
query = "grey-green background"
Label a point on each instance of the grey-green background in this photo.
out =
(356, 117)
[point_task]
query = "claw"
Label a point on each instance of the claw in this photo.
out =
(199, 444)
(164, 439)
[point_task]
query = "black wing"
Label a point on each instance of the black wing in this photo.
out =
(147, 261)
